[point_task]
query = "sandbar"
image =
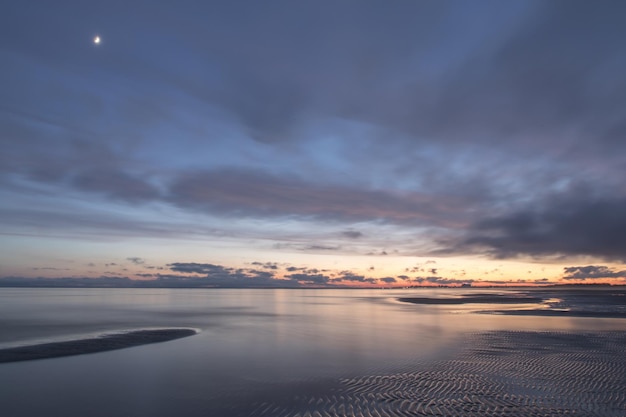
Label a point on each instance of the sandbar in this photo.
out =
(480, 299)
(92, 345)
(593, 303)
(559, 313)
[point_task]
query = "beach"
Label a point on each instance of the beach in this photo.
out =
(288, 353)
(496, 374)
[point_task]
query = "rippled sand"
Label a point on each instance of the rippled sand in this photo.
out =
(496, 374)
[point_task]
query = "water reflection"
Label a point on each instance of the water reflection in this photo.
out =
(249, 339)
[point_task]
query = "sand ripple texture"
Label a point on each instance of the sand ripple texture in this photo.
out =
(497, 374)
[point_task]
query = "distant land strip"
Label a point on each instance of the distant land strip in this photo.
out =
(92, 345)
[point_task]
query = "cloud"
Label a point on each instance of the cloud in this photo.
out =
(499, 95)
(309, 278)
(116, 185)
(266, 265)
(421, 267)
(211, 275)
(321, 247)
(352, 234)
(258, 194)
(434, 280)
(136, 260)
(50, 268)
(568, 225)
(591, 272)
(206, 274)
(198, 268)
(347, 276)
(460, 123)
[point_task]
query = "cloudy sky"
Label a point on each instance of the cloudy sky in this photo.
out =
(313, 142)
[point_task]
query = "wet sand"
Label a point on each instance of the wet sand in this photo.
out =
(497, 373)
(502, 373)
(559, 313)
(607, 302)
(474, 299)
(92, 345)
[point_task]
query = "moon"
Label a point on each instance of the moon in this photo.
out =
(96, 40)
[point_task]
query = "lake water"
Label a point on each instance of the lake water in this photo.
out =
(252, 344)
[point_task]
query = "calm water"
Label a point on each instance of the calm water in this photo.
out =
(251, 342)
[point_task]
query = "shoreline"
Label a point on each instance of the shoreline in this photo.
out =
(541, 303)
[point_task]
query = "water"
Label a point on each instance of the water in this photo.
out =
(253, 344)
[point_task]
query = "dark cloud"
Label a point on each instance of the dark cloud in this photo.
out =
(309, 278)
(347, 276)
(266, 265)
(591, 272)
(321, 247)
(305, 270)
(206, 274)
(352, 234)
(572, 225)
(388, 280)
(211, 275)
(136, 260)
(198, 268)
(434, 280)
(421, 267)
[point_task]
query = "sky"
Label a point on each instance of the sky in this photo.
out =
(313, 143)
